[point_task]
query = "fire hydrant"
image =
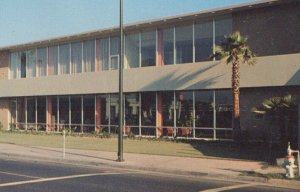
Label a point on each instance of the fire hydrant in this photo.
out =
(290, 163)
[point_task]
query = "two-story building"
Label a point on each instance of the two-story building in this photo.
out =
(170, 81)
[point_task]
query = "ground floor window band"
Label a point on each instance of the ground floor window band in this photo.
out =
(188, 114)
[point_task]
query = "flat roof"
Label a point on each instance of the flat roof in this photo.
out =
(145, 24)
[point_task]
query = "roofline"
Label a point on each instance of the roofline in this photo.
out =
(145, 24)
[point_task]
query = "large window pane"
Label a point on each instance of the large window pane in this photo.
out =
(103, 53)
(223, 27)
(224, 109)
(204, 115)
(76, 57)
(41, 113)
(89, 113)
(132, 107)
(148, 108)
(64, 110)
(114, 52)
(89, 56)
(15, 64)
(21, 108)
(184, 44)
(31, 113)
(64, 58)
(23, 64)
(168, 108)
(148, 48)
(114, 109)
(42, 62)
(53, 60)
(203, 41)
(166, 46)
(76, 113)
(31, 63)
(102, 113)
(132, 50)
(184, 109)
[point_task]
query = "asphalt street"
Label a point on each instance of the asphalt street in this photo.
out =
(30, 176)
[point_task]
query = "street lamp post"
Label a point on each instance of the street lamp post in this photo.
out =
(121, 114)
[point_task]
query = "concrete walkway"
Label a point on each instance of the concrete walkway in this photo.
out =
(217, 168)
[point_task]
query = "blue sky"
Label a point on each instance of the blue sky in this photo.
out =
(23, 21)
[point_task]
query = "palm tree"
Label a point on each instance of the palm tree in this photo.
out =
(235, 51)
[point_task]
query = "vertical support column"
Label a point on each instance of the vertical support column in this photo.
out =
(16, 126)
(97, 55)
(160, 47)
(159, 114)
(26, 113)
(298, 131)
(82, 114)
(215, 115)
(36, 114)
(174, 115)
(98, 114)
(49, 114)
(194, 115)
(58, 120)
(70, 114)
(140, 114)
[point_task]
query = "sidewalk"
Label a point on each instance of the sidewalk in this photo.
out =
(217, 168)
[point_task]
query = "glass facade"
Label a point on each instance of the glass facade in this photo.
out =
(193, 114)
(180, 44)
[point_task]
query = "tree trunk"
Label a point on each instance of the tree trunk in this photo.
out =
(236, 101)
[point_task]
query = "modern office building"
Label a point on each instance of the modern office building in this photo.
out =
(172, 86)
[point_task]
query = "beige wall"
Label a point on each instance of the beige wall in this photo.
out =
(279, 70)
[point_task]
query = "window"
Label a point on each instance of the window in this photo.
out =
(204, 115)
(53, 60)
(31, 63)
(64, 59)
(132, 50)
(63, 110)
(148, 108)
(31, 112)
(203, 41)
(103, 54)
(89, 113)
(114, 109)
(23, 64)
(132, 108)
(21, 110)
(223, 27)
(184, 109)
(114, 52)
(76, 57)
(184, 44)
(89, 56)
(168, 108)
(15, 64)
(148, 48)
(76, 113)
(166, 46)
(224, 109)
(41, 113)
(41, 62)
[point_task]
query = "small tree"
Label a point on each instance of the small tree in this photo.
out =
(235, 51)
(282, 113)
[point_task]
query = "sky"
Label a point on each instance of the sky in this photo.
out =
(23, 21)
